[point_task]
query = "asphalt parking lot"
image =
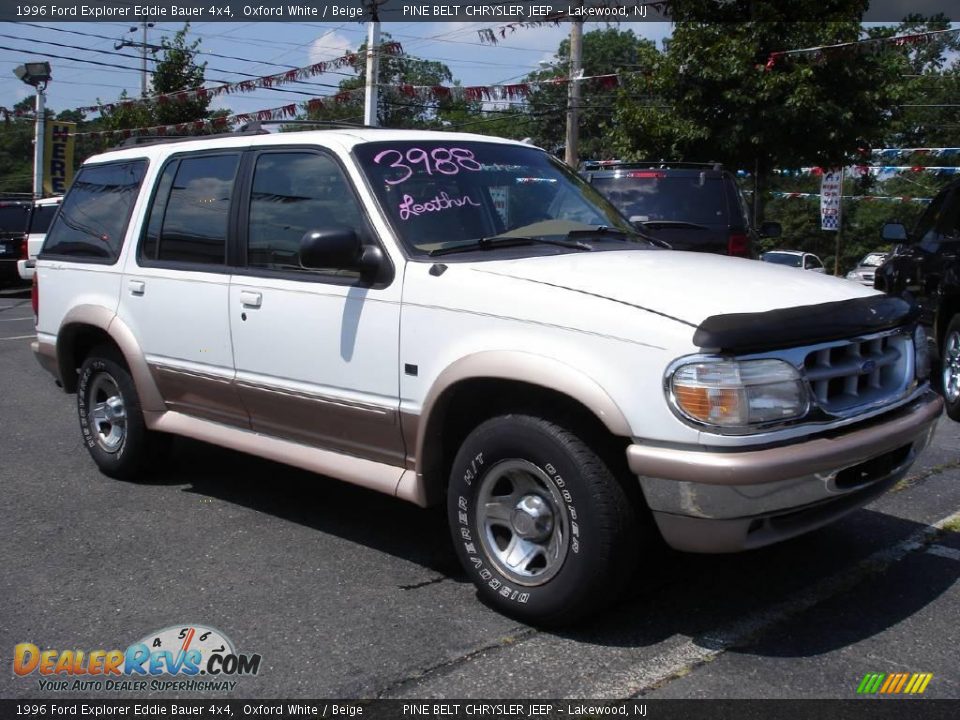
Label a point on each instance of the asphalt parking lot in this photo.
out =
(350, 594)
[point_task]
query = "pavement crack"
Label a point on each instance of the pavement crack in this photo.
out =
(522, 634)
(431, 581)
(912, 480)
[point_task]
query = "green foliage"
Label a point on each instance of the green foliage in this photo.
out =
(16, 156)
(605, 51)
(395, 109)
(175, 70)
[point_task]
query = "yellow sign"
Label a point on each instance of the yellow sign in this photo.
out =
(58, 157)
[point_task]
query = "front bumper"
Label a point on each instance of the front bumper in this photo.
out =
(730, 500)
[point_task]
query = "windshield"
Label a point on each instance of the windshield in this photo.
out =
(442, 194)
(650, 195)
(781, 258)
(873, 260)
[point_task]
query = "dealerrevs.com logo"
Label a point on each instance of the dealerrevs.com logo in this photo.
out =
(178, 658)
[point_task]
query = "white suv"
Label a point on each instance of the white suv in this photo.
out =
(454, 318)
(40, 219)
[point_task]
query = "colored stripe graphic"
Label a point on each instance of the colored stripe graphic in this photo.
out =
(894, 683)
(870, 683)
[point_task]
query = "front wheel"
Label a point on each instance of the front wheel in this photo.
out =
(950, 368)
(542, 526)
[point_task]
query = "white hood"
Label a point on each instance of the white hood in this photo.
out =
(686, 286)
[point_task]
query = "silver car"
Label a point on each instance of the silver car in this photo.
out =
(865, 270)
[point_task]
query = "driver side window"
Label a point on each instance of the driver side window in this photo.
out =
(294, 193)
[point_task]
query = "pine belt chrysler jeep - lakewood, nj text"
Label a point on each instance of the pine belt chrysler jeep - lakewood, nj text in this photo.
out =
(456, 319)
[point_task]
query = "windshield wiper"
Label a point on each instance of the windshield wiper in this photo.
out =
(616, 234)
(673, 224)
(486, 243)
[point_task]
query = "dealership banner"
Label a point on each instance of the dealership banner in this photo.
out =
(58, 145)
(831, 191)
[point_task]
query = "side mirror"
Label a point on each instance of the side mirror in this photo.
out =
(894, 233)
(338, 248)
(771, 229)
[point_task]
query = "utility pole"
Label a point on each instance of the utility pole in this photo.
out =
(37, 75)
(39, 136)
(573, 93)
(143, 60)
(371, 92)
(143, 53)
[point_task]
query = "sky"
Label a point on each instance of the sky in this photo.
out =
(264, 48)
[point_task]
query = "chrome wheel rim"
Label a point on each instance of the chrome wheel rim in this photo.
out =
(951, 366)
(523, 522)
(107, 415)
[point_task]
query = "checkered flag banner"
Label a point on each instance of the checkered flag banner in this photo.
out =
(831, 190)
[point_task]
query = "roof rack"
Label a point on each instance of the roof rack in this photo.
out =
(162, 139)
(611, 164)
(254, 127)
(335, 124)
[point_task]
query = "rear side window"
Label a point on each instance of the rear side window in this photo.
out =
(40, 220)
(14, 218)
(191, 211)
(94, 215)
(650, 195)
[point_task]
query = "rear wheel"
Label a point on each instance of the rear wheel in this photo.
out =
(950, 368)
(542, 526)
(111, 420)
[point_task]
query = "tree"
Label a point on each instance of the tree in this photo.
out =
(605, 51)
(727, 104)
(395, 109)
(176, 69)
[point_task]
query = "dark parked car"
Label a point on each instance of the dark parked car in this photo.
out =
(925, 268)
(14, 220)
(691, 206)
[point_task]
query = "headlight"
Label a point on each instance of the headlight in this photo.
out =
(738, 393)
(921, 350)
(852, 276)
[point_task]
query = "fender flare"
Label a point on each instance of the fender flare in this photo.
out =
(522, 367)
(106, 320)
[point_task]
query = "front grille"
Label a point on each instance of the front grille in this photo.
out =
(868, 371)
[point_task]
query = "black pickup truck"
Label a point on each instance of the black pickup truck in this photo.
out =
(925, 268)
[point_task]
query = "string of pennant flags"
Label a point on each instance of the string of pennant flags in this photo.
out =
(855, 198)
(421, 92)
(243, 86)
(866, 44)
(894, 153)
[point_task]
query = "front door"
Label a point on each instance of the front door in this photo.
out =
(315, 351)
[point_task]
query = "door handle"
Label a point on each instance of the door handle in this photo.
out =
(136, 287)
(250, 299)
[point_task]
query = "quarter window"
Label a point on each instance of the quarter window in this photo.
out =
(94, 215)
(294, 193)
(191, 210)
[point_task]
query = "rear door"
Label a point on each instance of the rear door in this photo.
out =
(175, 289)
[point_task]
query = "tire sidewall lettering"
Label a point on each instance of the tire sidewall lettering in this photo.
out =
(467, 526)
